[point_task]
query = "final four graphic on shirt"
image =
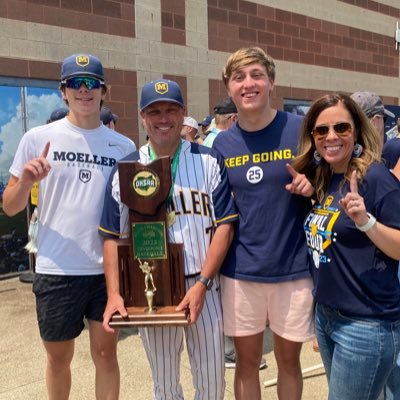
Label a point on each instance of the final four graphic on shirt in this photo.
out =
(350, 273)
(318, 227)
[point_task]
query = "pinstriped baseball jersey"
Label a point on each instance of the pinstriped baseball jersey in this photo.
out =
(201, 200)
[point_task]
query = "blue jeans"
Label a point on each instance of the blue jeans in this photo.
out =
(358, 353)
(392, 387)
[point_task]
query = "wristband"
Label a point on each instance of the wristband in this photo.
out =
(366, 227)
(207, 282)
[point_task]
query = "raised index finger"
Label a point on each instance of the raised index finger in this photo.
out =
(353, 182)
(45, 150)
(292, 171)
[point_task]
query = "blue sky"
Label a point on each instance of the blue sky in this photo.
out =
(9, 98)
(40, 103)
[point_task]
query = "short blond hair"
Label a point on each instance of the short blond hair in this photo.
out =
(247, 56)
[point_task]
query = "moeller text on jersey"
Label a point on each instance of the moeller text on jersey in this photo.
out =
(191, 202)
(83, 158)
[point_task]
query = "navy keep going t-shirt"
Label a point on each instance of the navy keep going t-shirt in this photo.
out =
(269, 243)
(350, 273)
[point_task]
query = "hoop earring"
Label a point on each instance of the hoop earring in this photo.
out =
(357, 151)
(317, 158)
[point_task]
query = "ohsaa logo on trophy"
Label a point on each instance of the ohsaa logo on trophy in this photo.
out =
(146, 183)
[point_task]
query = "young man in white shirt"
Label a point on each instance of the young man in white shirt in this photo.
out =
(72, 159)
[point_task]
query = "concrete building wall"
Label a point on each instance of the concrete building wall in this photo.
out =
(318, 45)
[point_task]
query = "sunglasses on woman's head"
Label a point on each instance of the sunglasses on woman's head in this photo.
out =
(341, 129)
(78, 81)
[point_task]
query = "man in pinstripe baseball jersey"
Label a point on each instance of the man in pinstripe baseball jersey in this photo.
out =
(204, 210)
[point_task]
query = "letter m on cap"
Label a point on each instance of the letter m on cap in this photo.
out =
(82, 60)
(161, 87)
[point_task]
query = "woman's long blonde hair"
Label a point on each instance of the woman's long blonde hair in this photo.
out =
(364, 132)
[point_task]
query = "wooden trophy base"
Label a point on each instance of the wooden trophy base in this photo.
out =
(161, 316)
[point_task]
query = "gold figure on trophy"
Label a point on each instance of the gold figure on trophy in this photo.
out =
(148, 279)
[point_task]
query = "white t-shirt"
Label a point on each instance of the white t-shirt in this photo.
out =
(71, 196)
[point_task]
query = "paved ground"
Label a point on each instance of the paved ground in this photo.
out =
(22, 359)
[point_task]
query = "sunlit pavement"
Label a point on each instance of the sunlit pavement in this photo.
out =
(22, 359)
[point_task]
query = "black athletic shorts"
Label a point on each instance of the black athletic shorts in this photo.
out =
(62, 303)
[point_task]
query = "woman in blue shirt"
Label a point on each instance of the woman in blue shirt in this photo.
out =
(353, 238)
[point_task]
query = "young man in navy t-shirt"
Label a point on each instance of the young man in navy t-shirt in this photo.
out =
(265, 277)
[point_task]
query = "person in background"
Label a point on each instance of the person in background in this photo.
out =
(72, 158)
(108, 118)
(57, 114)
(265, 278)
(374, 109)
(225, 114)
(205, 124)
(197, 173)
(394, 132)
(353, 236)
(391, 156)
(190, 130)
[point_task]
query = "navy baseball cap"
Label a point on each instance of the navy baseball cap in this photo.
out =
(160, 90)
(82, 65)
(206, 121)
(57, 114)
(226, 106)
(107, 116)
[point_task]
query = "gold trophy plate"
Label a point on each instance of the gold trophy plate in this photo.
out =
(139, 316)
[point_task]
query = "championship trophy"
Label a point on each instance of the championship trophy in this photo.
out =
(151, 272)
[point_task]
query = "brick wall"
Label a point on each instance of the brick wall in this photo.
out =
(181, 81)
(114, 17)
(375, 6)
(173, 21)
(298, 38)
(122, 100)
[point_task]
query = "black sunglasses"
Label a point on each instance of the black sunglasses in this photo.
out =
(341, 129)
(77, 82)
